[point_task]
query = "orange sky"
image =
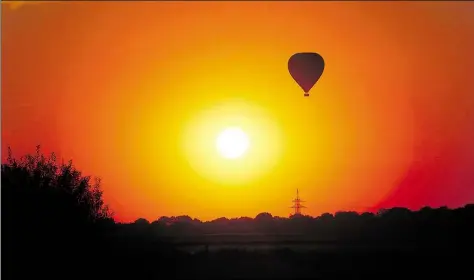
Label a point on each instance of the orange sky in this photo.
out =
(136, 92)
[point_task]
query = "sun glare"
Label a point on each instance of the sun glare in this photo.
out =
(232, 143)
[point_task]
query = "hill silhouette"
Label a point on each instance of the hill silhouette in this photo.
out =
(56, 225)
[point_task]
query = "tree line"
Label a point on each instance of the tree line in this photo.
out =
(54, 219)
(40, 192)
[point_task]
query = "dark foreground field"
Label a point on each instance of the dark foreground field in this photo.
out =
(135, 251)
(134, 259)
(348, 261)
(328, 265)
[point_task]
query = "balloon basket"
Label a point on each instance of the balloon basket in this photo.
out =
(306, 94)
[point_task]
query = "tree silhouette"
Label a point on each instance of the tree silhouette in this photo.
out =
(41, 190)
(48, 207)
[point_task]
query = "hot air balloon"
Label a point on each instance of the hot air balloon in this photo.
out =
(306, 69)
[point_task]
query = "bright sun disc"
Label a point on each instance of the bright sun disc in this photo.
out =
(232, 143)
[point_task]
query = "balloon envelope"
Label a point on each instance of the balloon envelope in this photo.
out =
(306, 69)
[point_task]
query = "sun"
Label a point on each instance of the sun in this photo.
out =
(232, 143)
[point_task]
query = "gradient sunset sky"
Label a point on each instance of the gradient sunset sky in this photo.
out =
(136, 93)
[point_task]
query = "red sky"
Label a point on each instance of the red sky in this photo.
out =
(136, 93)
